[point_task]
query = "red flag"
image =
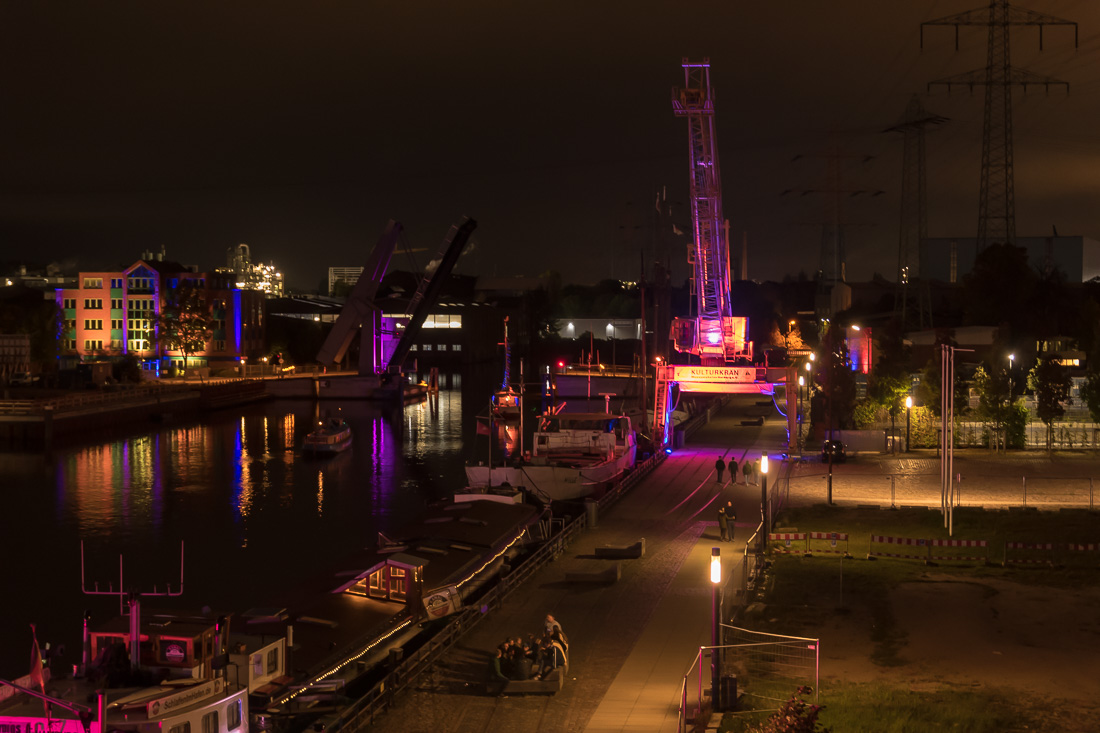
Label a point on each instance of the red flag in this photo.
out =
(482, 428)
(36, 667)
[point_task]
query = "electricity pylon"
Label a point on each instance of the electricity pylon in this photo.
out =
(997, 205)
(914, 195)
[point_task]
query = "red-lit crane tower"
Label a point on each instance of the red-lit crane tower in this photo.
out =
(714, 334)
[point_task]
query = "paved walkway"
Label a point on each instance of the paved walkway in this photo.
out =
(630, 642)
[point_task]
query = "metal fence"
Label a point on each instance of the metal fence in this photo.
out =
(757, 671)
(895, 490)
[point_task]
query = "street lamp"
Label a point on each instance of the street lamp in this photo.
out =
(764, 496)
(1011, 363)
(908, 411)
(801, 384)
(715, 622)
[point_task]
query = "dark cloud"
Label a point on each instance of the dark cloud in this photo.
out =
(299, 128)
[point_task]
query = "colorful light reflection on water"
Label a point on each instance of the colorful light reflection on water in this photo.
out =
(256, 515)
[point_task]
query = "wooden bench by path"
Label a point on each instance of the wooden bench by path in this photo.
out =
(608, 575)
(633, 551)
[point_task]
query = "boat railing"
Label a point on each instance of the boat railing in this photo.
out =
(361, 714)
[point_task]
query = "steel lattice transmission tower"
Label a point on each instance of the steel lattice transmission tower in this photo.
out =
(997, 207)
(914, 196)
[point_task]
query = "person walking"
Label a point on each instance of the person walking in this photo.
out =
(723, 524)
(750, 478)
(719, 467)
(497, 680)
(731, 520)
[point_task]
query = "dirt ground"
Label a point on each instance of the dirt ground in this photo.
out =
(1042, 643)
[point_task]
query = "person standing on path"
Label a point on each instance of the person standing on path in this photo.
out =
(749, 477)
(731, 519)
(719, 467)
(723, 525)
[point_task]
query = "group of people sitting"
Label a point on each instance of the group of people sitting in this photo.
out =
(529, 659)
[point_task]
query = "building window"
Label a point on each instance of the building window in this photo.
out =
(273, 661)
(116, 282)
(116, 344)
(219, 345)
(456, 347)
(140, 304)
(441, 347)
(93, 325)
(210, 722)
(137, 344)
(427, 347)
(69, 303)
(219, 324)
(412, 347)
(93, 303)
(68, 344)
(139, 283)
(93, 344)
(93, 282)
(116, 303)
(116, 324)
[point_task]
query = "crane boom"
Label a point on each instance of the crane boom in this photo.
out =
(715, 335)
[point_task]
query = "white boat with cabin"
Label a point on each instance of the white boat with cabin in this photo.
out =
(574, 453)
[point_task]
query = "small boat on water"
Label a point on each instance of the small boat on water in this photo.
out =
(331, 435)
(573, 454)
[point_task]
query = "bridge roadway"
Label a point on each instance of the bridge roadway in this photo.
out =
(631, 642)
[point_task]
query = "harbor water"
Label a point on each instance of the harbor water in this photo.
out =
(255, 516)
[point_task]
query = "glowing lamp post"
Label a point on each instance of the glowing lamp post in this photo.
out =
(764, 496)
(908, 411)
(715, 622)
(801, 384)
(1011, 363)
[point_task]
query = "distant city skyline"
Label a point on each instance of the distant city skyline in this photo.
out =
(300, 130)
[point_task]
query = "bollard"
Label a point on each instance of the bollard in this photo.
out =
(893, 504)
(1025, 492)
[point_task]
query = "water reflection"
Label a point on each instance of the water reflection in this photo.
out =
(256, 514)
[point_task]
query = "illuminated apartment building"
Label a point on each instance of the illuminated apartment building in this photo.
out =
(111, 314)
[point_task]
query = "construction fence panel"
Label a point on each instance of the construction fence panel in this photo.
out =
(1029, 553)
(825, 543)
(768, 668)
(928, 550)
(787, 543)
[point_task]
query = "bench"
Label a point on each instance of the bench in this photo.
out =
(635, 550)
(607, 575)
(549, 684)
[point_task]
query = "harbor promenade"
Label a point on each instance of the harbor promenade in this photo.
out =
(630, 642)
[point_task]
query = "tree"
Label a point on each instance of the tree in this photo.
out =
(1090, 391)
(999, 288)
(1051, 383)
(890, 382)
(837, 384)
(185, 322)
(994, 403)
(930, 389)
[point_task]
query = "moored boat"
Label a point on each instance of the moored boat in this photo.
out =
(573, 454)
(331, 435)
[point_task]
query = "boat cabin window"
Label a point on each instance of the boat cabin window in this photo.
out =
(210, 722)
(233, 715)
(397, 583)
(184, 727)
(378, 584)
(273, 661)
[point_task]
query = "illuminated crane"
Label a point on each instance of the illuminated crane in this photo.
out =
(714, 334)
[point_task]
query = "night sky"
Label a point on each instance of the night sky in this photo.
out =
(300, 127)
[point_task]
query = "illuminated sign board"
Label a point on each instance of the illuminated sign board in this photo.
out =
(177, 701)
(712, 375)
